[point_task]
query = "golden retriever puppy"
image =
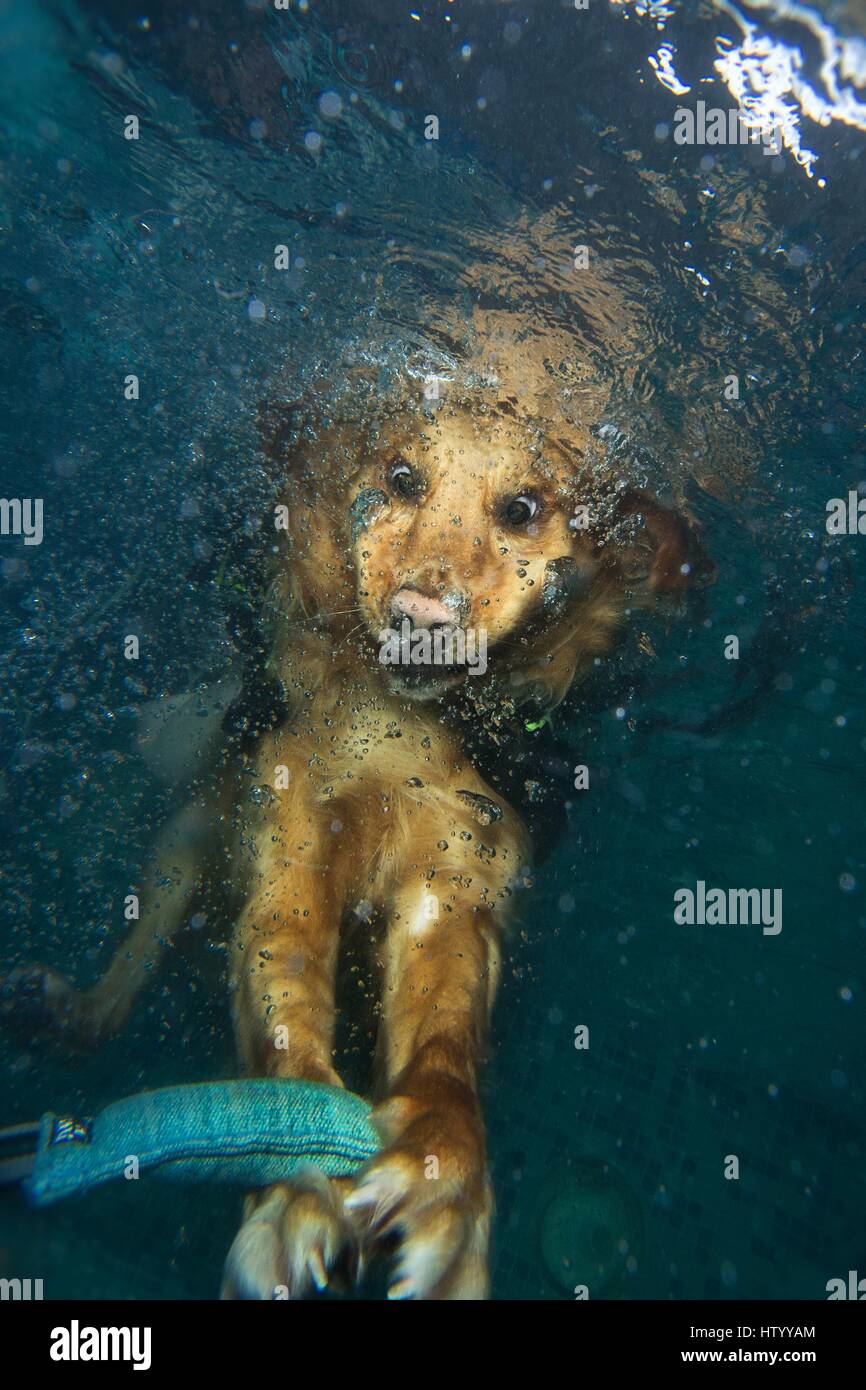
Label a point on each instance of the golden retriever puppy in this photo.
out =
(436, 565)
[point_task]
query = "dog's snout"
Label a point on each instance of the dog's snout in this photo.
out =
(425, 611)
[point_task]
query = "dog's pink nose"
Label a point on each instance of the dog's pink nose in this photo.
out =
(421, 610)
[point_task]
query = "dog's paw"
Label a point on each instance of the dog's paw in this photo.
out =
(35, 1000)
(293, 1236)
(429, 1189)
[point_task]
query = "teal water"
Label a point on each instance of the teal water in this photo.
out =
(156, 257)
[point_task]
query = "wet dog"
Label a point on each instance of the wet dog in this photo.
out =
(412, 528)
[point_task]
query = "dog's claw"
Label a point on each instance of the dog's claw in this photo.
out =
(290, 1242)
(317, 1270)
(375, 1199)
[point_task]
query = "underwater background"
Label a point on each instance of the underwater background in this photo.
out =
(305, 127)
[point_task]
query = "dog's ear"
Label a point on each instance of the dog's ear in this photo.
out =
(671, 558)
(557, 654)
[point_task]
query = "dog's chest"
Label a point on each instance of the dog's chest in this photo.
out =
(345, 749)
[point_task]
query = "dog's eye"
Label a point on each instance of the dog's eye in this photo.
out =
(402, 481)
(520, 510)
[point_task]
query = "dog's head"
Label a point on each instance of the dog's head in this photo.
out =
(472, 541)
(481, 543)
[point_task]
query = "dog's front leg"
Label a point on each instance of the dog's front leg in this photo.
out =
(430, 1185)
(285, 959)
